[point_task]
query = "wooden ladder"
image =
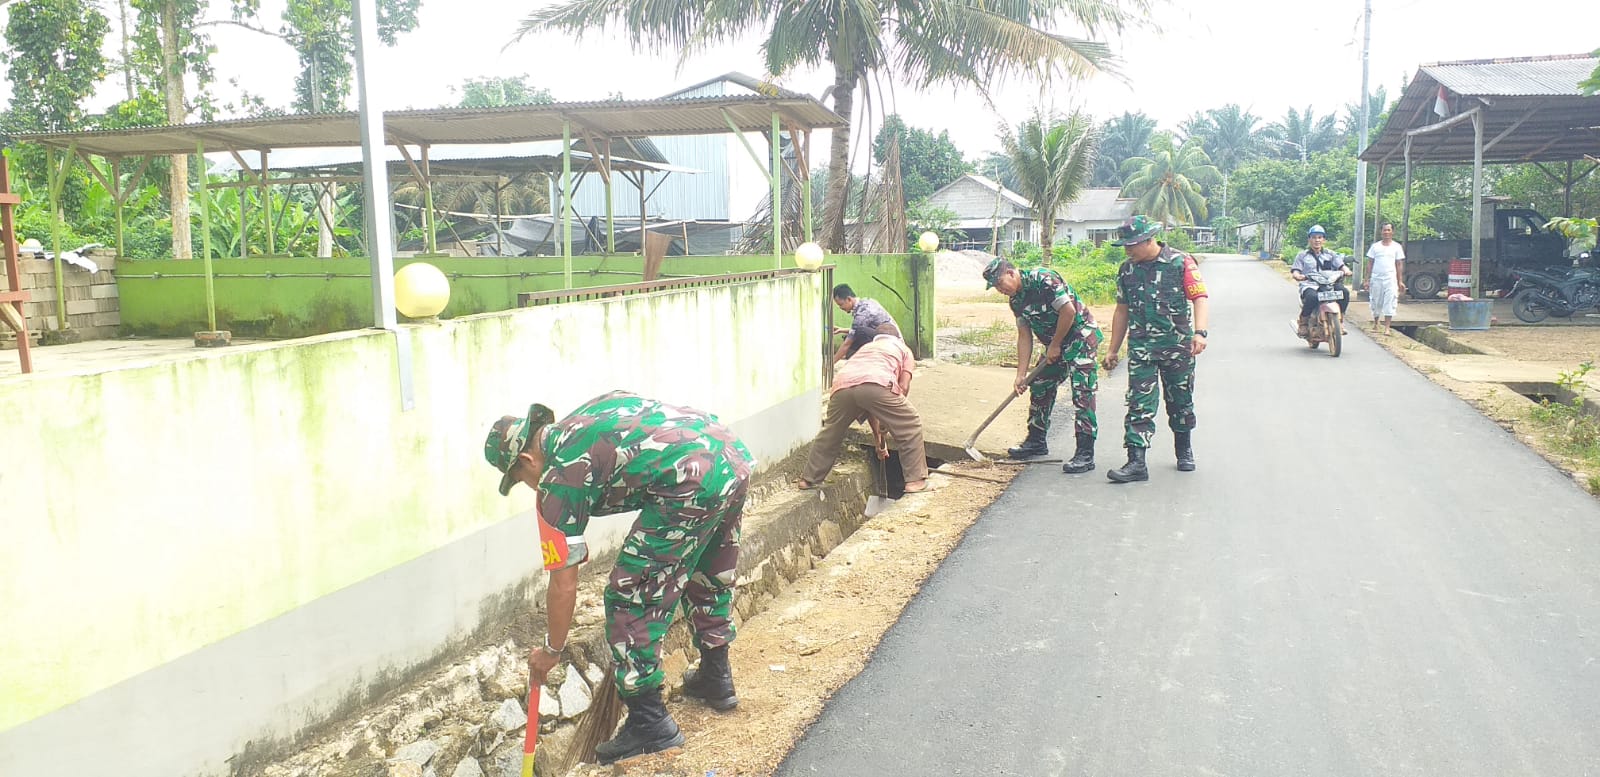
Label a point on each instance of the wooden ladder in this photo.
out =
(13, 301)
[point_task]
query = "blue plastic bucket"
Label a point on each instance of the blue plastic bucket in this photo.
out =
(1470, 314)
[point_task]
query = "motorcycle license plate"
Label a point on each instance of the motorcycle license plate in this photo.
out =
(1329, 296)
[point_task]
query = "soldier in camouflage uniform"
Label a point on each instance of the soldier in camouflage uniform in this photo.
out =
(687, 475)
(1046, 308)
(1155, 288)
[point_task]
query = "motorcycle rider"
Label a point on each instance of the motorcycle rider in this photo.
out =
(1313, 259)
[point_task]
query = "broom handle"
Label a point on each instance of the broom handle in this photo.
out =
(530, 737)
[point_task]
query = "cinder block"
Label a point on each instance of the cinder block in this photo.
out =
(112, 319)
(79, 306)
(104, 291)
(76, 293)
(38, 267)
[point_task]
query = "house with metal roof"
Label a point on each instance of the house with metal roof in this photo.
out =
(988, 213)
(1094, 216)
(727, 186)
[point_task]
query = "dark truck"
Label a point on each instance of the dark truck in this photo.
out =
(1514, 238)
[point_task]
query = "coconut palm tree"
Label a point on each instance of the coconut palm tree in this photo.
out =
(1300, 135)
(1053, 158)
(923, 42)
(1121, 138)
(1166, 184)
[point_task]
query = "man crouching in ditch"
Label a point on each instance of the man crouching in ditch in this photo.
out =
(687, 475)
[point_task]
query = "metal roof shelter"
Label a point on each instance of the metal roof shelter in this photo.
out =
(1492, 111)
(596, 125)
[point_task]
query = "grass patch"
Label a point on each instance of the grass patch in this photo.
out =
(1569, 428)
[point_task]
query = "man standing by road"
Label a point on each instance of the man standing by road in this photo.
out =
(874, 382)
(866, 318)
(1385, 277)
(1313, 259)
(1045, 307)
(1155, 288)
(687, 475)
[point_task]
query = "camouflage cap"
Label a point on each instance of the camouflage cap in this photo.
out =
(992, 272)
(509, 436)
(1136, 229)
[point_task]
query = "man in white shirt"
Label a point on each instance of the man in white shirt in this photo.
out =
(1384, 277)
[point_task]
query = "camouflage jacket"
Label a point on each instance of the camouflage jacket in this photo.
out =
(620, 451)
(1037, 305)
(1157, 294)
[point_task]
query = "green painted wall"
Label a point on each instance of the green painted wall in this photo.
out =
(160, 508)
(317, 296)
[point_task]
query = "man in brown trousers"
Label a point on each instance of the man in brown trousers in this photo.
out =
(874, 382)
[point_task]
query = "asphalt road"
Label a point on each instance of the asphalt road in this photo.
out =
(1365, 577)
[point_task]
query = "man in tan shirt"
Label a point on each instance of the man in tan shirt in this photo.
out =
(874, 383)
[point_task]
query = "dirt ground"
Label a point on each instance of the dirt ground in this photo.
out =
(790, 659)
(1537, 343)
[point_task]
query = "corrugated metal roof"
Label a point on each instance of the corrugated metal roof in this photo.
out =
(1097, 204)
(462, 126)
(1519, 77)
(1528, 115)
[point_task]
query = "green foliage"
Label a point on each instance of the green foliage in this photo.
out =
(928, 162)
(1167, 184)
(495, 91)
(922, 217)
(917, 44)
(1580, 231)
(294, 221)
(1121, 138)
(997, 167)
(1053, 158)
(53, 60)
(1591, 85)
(1302, 134)
(1334, 210)
(191, 50)
(1090, 270)
(1574, 431)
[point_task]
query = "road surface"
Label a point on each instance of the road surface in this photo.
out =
(1365, 577)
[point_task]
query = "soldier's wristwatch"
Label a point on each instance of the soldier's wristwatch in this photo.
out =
(1202, 333)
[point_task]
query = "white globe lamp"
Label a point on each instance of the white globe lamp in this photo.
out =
(808, 256)
(928, 242)
(420, 290)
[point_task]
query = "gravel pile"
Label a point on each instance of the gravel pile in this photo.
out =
(960, 269)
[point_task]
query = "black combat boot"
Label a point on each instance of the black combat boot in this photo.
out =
(1083, 459)
(1032, 447)
(1133, 470)
(1185, 453)
(712, 682)
(648, 729)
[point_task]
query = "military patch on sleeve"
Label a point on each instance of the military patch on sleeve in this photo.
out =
(1194, 286)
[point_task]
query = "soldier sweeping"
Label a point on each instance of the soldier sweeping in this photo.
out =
(1155, 288)
(687, 475)
(1046, 308)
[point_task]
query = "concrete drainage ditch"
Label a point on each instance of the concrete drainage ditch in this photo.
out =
(465, 717)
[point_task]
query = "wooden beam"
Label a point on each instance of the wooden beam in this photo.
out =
(1514, 125)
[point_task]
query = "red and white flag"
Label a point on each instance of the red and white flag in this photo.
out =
(1441, 104)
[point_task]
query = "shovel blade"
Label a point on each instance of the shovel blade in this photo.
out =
(975, 454)
(875, 504)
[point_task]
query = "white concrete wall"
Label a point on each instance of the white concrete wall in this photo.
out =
(220, 550)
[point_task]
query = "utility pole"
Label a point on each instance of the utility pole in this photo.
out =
(1360, 235)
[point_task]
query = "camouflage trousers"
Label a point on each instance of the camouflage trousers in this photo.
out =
(1175, 373)
(1079, 367)
(680, 552)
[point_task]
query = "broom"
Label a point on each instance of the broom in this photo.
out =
(597, 726)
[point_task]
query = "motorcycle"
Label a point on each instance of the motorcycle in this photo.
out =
(1539, 294)
(1324, 326)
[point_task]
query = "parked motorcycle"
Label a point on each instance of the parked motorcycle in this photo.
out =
(1324, 325)
(1539, 294)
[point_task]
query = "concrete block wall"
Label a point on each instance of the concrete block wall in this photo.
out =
(93, 301)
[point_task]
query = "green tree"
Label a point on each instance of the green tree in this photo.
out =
(1167, 184)
(997, 166)
(1301, 135)
(495, 91)
(923, 42)
(1121, 138)
(1231, 137)
(322, 33)
(1591, 85)
(928, 162)
(168, 49)
(53, 60)
(1053, 158)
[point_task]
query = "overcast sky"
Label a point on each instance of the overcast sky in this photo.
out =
(1266, 56)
